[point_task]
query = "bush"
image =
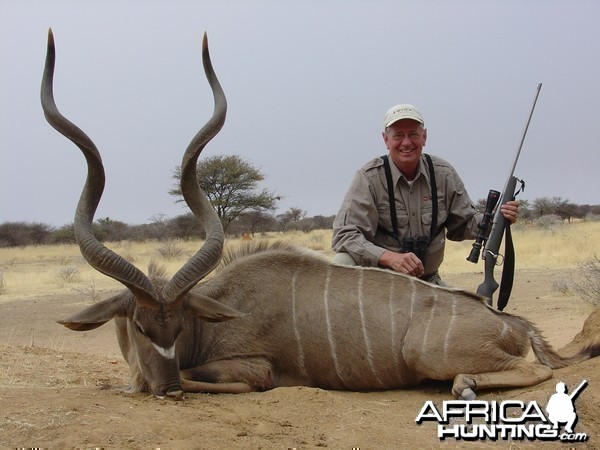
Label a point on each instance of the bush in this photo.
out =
(588, 283)
(69, 274)
(170, 250)
(2, 284)
(548, 222)
(64, 235)
(89, 291)
(20, 234)
(185, 226)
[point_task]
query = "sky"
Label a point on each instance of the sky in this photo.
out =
(307, 85)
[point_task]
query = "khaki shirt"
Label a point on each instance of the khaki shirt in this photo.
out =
(366, 207)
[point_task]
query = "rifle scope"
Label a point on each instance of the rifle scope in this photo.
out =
(490, 204)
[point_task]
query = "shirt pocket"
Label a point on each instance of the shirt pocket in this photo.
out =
(385, 228)
(427, 216)
(385, 218)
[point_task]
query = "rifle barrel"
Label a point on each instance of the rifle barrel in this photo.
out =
(512, 170)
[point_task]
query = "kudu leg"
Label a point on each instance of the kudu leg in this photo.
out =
(215, 388)
(523, 373)
(229, 377)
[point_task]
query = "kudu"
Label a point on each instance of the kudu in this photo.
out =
(299, 320)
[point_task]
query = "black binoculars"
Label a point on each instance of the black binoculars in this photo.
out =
(417, 245)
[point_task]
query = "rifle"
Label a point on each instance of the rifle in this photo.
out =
(578, 389)
(500, 226)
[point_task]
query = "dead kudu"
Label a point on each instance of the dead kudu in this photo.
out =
(298, 319)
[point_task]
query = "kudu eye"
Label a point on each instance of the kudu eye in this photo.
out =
(139, 328)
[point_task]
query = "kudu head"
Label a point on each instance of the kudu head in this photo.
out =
(154, 312)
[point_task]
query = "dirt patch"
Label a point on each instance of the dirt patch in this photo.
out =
(52, 390)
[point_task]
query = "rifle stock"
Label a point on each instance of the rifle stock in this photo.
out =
(492, 246)
(489, 285)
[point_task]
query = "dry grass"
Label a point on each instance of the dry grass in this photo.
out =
(561, 246)
(32, 271)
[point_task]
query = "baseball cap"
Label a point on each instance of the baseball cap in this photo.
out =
(399, 112)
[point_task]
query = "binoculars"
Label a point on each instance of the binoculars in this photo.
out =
(417, 245)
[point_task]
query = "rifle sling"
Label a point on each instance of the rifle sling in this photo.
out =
(508, 269)
(392, 199)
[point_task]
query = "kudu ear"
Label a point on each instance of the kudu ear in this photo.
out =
(209, 310)
(98, 314)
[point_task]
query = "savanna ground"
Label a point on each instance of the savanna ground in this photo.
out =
(52, 380)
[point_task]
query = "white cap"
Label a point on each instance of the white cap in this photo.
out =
(399, 112)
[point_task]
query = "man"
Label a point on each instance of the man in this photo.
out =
(363, 230)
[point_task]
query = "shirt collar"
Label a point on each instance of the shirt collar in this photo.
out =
(421, 171)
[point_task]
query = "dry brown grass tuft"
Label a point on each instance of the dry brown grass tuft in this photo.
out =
(2, 284)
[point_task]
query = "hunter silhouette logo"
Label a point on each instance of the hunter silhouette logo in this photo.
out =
(561, 408)
(472, 420)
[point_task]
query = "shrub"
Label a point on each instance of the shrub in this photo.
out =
(69, 274)
(2, 284)
(548, 222)
(20, 234)
(170, 250)
(89, 291)
(587, 285)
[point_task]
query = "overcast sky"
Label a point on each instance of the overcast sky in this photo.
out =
(307, 84)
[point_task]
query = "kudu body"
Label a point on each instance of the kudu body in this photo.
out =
(298, 319)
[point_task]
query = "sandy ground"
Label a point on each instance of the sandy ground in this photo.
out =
(52, 391)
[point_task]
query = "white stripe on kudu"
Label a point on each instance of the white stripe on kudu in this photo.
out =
(168, 353)
(428, 326)
(505, 329)
(391, 301)
(296, 328)
(330, 337)
(449, 330)
(364, 327)
(413, 296)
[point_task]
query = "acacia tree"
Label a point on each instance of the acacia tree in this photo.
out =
(231, 185)
(565, 209)
(292, 215)
(255, 221)
(543, 206)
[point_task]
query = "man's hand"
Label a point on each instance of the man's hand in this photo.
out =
(407, 263)
(510, 211)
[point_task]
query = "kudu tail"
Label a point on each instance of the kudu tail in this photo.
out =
(549, 357)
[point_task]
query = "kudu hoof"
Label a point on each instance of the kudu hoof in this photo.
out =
(173, 395)
(467, 394)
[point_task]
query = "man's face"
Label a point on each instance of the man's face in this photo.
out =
(405, 140)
